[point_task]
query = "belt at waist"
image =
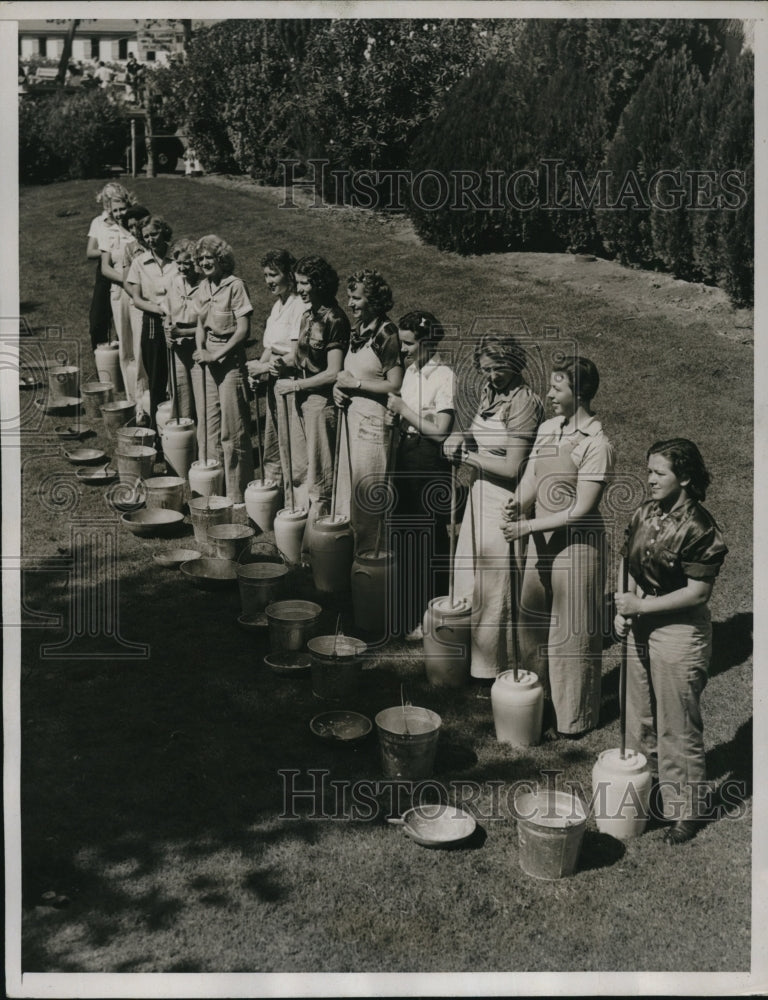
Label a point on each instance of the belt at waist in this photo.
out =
(185, 326)
(218, 338)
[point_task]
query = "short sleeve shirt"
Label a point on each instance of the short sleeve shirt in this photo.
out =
(383, 340)
(590, 450)
(181, 298)
(99, 225)
(664, 551)
(284, 322)
(504, 416)
(151, 276)
(219, 308)
(114, 239)
(336, 330)
(428, 390)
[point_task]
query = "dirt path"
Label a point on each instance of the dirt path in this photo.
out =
(634, 292)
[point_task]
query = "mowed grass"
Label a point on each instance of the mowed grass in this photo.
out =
(151, 792)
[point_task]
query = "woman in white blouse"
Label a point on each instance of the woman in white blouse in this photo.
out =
(278, 347)
(423, 474)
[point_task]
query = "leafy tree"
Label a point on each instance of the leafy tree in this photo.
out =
(69, 136)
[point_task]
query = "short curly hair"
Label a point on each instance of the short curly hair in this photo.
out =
(375, 288)
(322, 277)
(220, 249)
(686, 462)
(158, 223)
(184, 245)
(504, 350)
(114, 190)
(282, 261)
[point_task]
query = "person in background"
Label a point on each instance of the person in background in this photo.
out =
(495, 448)
(281, 335)
(422, 473)
(100, 314)
(181, 323)
(223, 324)
(147, 282)
(561, 604)
(372, 370)
(323, 341)
(674, 550)
(132, 70)
(104, 75)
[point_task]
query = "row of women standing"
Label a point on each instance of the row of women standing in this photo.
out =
(179, 302)
(531, 552)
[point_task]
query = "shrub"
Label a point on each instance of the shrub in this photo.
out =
(69, 136)
(232, 93)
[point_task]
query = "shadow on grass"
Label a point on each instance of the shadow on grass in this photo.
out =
(599, 850)
(731, 643)
(729, 765)
(731, 646)
(145, 780)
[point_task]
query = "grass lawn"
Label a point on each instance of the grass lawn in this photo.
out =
(151, 796)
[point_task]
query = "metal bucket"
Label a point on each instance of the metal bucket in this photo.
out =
(130, 436)
(229, 540)
(291, 623)
(135, 462)
(550, 829)
(95, 395)
(337, 665)
(63, 381)
(116, 415)
(408, 741)
(261, 583)
(165, 492)
(207, 511)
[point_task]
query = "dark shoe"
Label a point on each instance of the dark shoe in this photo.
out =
(682, 831)
(572, 736)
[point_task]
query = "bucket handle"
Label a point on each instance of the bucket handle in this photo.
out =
(362, 572)
(405, 695)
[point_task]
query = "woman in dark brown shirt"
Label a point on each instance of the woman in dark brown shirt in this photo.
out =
(674, 551)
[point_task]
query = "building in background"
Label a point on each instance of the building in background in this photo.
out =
(103, 39)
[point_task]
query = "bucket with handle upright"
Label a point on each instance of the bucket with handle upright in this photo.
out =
(408, 741)
(95, 394)
(260, 583)
(337, 665)
(130, 435)
(550, 829)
